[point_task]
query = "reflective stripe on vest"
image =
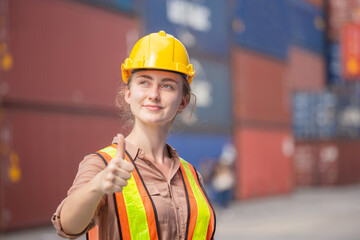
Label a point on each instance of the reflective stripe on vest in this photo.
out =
(136, 213)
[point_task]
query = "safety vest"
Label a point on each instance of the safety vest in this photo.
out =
(136, 213)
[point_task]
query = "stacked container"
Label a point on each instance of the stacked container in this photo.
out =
(200, 132)
(57, 100)
(260, 98)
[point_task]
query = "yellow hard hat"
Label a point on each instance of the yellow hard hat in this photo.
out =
(158, 51)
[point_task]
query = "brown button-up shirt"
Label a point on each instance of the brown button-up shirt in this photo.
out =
(167, 192)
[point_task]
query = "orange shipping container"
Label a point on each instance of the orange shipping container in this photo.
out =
(264, 162)
(350, 49)
(260, 92)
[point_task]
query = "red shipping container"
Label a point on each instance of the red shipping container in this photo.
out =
(40, 153)
(66, 52)
(305, 162)
(338, 13)
(264, 162)
(260, 92)
(306, 70)
(328, 163)
(349, 161)
(350, 49)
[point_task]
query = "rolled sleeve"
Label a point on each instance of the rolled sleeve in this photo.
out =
(89, 167)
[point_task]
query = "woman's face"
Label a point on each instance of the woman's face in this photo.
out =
(155, 97)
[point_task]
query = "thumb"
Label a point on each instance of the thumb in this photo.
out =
(120, 153)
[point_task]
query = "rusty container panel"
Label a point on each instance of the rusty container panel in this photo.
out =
(260, 91)
(264, 162)
(66, 52)
(305, 162)
(306, 70)
(40, 153)
(349, 161)
(327, 163)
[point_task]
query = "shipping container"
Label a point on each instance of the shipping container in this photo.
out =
(305, 70)
(40, 153)
(349, 163)
(202, 26)
(259, 89)
(338, 13)
(348, 111)
(317, 3)
(264, 164)
(66, 53)
(303, 112)
(6, 58)
(261, 26)
(305, 163)
(197, 148)
(325, 114)
(127, 6)
(211, 112)
(307, 26)
(350, 51)
(327, 163)
(315, 115)
(333, 62)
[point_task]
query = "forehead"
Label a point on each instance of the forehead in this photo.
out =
(154, 74)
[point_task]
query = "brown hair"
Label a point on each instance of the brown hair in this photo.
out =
(124, 108)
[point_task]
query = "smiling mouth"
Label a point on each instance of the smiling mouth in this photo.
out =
(153, 107)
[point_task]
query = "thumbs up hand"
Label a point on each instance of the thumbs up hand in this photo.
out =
(116, 174)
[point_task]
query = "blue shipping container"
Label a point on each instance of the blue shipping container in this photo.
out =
(348, 112)
(199, 25)
(198, 148)
(334, 64)
(307, 26)
(123, 5)
(325, 115)
(211, 87)
(303, 115)
(261, 25)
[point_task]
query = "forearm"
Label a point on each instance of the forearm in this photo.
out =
(79, 208)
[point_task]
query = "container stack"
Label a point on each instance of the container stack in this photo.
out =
(262, 130)
(326, 119)
(57, 100)
(202, 26)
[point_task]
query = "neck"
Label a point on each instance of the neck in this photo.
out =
(151, 139)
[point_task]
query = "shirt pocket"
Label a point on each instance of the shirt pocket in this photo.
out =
(160, 204)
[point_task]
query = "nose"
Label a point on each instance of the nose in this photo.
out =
(154, 93)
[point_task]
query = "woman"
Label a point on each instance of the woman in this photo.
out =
(139, 188)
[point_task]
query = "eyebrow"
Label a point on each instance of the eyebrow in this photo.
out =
(162, 80)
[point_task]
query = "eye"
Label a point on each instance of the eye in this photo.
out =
(144, 83)
(168, 87)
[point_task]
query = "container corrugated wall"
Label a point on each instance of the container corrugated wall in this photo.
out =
(57, 100)
(305, 70)
(40, 153)
(264, 165)
(260, 92)
(66, 53)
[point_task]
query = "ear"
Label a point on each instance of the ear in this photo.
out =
(184, 102)
(127, 94)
